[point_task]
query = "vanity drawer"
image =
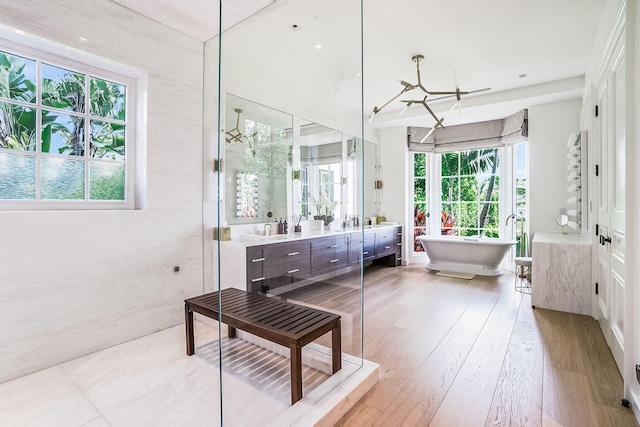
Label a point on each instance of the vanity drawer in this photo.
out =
(288, 252)
(329, 253)
(356, 247)
(385, 242)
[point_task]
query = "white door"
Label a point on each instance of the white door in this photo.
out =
(610, 183)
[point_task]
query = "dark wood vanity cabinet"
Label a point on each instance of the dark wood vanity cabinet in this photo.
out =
(275, 265)
(329, 253)
(282, 263)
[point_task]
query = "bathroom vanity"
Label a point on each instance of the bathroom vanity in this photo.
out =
(263, 263)
(561, 272)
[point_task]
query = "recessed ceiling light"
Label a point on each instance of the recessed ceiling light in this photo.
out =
(83, 39)
(522, 76)
(19, 32)
(318, 47)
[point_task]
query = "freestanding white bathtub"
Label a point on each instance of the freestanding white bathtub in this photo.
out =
(475, 255)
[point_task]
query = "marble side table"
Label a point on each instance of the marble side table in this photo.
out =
(561, 276)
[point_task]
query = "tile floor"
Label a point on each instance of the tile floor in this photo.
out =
(151, 382)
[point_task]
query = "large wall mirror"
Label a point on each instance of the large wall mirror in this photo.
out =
(258, 154)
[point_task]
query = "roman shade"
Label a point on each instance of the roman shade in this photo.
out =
(471, 136)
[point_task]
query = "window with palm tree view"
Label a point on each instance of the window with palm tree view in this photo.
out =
(62, 133)
(470, 185)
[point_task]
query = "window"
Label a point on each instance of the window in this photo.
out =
(63, 134)
(420, 211)
(521, 196)
(470, 185)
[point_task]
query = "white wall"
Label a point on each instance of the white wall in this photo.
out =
(72, 282)
(549, 128)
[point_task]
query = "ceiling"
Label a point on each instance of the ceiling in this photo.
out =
(528, 53)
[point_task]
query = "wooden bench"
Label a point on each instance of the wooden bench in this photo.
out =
(284, 323)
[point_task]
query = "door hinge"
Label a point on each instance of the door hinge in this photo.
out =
(597, 228)
(596, 288)
(596, 110)
(597, 170)
(218, 165)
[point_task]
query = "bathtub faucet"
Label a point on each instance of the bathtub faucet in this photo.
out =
(515, 218)
(515, 221)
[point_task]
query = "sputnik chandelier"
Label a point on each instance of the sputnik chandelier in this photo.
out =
(234, 135)
(409, 102)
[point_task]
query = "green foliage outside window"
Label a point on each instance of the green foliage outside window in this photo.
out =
(66, 127)
(470, 193)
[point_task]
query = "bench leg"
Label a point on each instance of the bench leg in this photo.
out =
(231, 331)
(188, 321)
(296, 372)
(336, 348)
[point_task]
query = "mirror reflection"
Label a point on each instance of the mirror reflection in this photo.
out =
(321, 172)
(258, 154)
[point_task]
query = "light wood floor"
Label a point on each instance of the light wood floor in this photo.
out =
(457, 352)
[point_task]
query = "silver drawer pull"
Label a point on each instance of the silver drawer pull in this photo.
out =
(334, 260)
(399, 244)
(333, 246)
(365, 253)
(399, 234)
(295, 270)
(257, 279)
(387, 247)
(257, 260)
(294, 253)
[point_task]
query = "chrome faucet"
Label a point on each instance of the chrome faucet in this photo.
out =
(268, 228)
(515, 221)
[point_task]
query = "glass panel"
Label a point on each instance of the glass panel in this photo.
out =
(17, 78)
(62, 134)
(419, 166)
(106, 181)
(303, 167)
(417, 246)
(107, 140)
(448, 218)
(17, 127)
(450, 189)
(62, 88)
(419, 214)
(108, 99)
(419, 190)
(17, 176)
(449, 164)
(62, 179)
(468, 216)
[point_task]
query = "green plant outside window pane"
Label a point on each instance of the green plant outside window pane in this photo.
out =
(107, 99)
(419, 166)
(107, 140)
(17, 78)
(62, 134)
(63, 89)
(106, 181)
(17, 127)
(419, 190)
(17, 177)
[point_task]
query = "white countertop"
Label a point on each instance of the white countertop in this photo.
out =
(255, 239)
(570, 239)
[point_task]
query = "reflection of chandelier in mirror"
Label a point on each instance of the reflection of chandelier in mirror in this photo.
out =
(234, 135)
(409, 102)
